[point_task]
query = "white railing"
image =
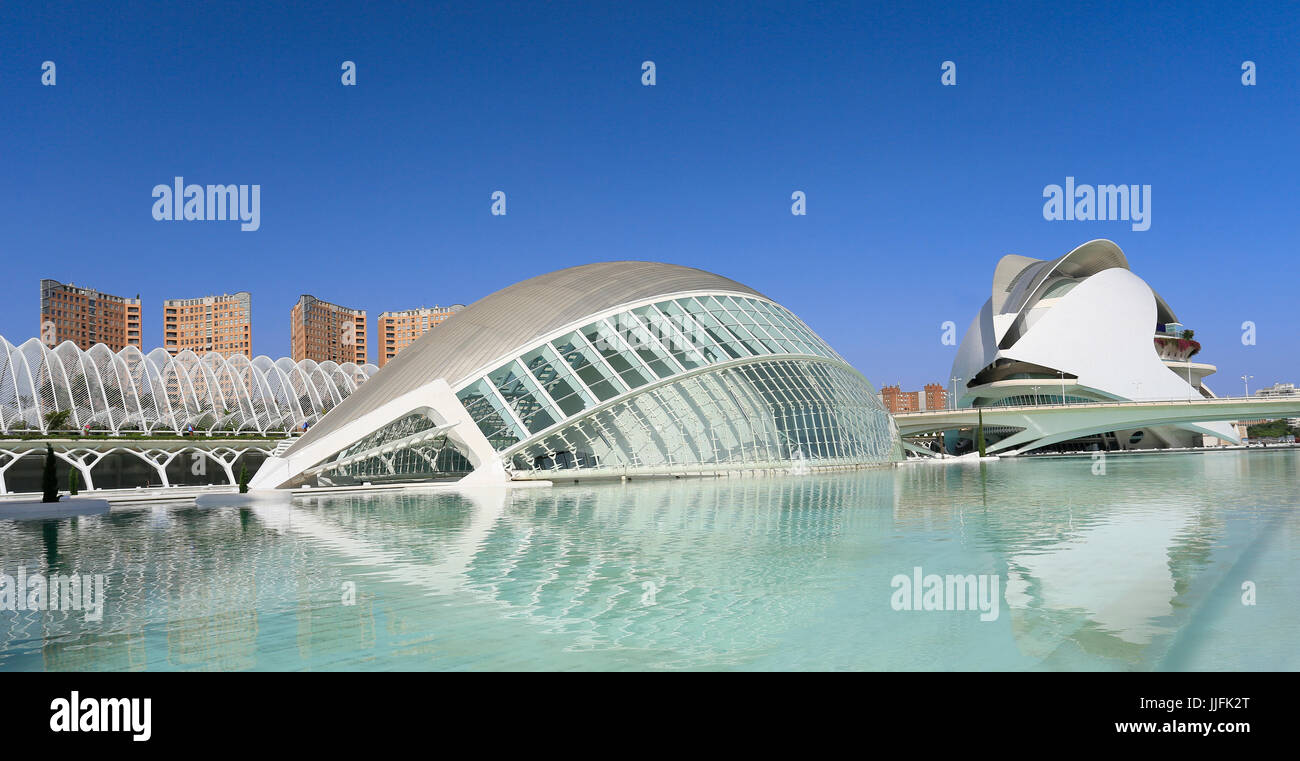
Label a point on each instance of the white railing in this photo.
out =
(1218, 400)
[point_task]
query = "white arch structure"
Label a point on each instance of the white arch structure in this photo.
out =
(157, 392)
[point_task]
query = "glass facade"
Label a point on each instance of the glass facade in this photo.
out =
(625, 351)
(1041, 398)
(767, 414)
(408, 449)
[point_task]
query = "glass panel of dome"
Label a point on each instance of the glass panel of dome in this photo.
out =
(714, 330)
(521, 395)
(557, 380)
(581, 357)
(661, 326)
(774, 328)
(696, 332)
(646, 347)
(777, 328)
(759, 326)
(731, 324)
(487, 413)
(680, 320)
(669, 336)
(742, 324)
(620, 358)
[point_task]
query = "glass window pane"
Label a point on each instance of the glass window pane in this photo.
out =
(487, 413)
(521, 395)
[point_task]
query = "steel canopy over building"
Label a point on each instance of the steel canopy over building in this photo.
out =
(615, 368)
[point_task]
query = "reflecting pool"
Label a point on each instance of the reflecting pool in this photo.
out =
(1149, 565)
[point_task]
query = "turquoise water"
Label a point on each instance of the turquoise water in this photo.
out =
(1138, 568)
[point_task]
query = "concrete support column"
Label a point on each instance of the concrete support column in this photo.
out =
(159, 460)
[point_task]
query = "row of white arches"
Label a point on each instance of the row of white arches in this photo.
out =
(110, 392)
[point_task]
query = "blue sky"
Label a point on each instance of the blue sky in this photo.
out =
(378, 196)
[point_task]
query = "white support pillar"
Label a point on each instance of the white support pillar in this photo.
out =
(159, 459)
(13, 458)
(225, 457)
(83, 462)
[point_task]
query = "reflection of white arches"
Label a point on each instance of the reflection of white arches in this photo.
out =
(448, 575)
(132, 391)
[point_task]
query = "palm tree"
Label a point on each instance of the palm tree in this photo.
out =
(57, 420)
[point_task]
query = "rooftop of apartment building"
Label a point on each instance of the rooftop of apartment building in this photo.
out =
(422, 310)
(307, 300)
(49, 284)
(237, 296)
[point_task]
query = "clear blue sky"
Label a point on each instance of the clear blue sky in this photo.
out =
(377, 196)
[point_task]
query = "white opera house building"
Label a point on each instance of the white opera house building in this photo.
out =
(1080, 328)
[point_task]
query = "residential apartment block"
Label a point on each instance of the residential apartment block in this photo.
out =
(221, 324)
(932, 397)
(397, 330)
(86, 317)
(322, 331)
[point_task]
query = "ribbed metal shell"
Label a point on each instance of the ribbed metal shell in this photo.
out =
(1019, 281)
(508, 320)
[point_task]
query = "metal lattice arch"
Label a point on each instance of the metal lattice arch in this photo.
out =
(608, 369)
(128, 390)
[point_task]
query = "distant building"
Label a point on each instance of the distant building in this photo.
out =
(86, 317)
(322, 332)
(397, 330)
(932, 397)
(1278, 389)
(1281, 389)
(221, 324)
(935, 396)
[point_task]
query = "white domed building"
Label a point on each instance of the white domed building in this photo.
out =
(604, 370)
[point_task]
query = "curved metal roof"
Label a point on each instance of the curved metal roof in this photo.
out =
(512, 318)
(1019, 281)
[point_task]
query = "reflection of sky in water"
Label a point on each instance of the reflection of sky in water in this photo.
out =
(1137, 569)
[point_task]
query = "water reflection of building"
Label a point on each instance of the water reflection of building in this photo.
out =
(185, 589)
(621, 566)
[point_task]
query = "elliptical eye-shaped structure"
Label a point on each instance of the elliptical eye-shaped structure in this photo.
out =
(602, 370)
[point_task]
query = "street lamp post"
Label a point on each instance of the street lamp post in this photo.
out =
(1246, 380)
(953, 398)
(1035, 396)
(1062, 374)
